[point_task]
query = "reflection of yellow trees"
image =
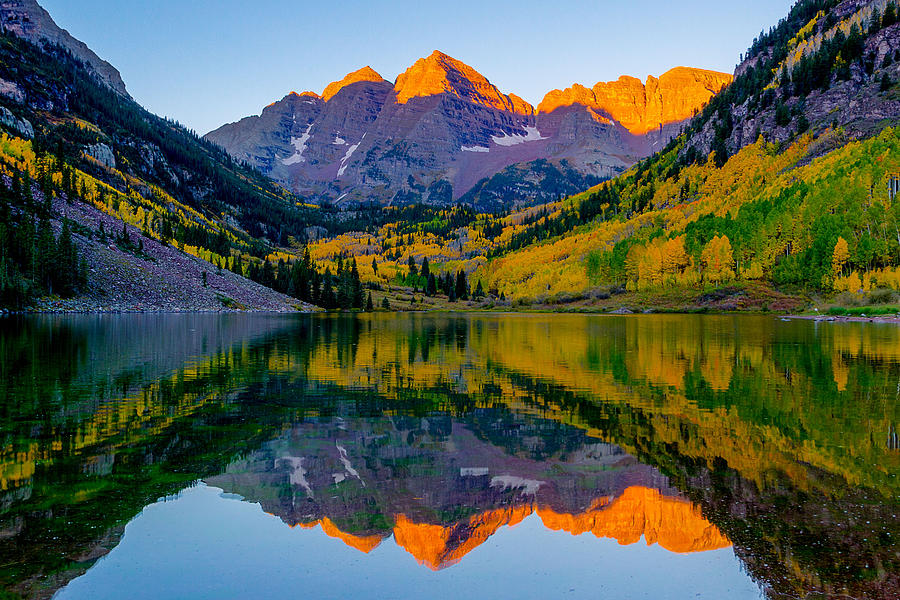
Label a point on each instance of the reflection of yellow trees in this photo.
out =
(770, 415)
(122, 420)
(17, 467)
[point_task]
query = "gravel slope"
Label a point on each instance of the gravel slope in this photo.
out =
(167, 280)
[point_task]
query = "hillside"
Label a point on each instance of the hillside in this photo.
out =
(790, 163)
(76, 151)
(442, 129)
(787, 164)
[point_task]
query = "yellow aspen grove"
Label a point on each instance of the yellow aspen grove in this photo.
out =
(633, 266)
(718, 258)
(840, 257)
(675, 256)
(651, 266)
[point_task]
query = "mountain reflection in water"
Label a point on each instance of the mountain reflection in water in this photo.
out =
(441, 490)
(690, 432)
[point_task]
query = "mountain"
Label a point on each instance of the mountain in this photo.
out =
(442, 128)
(28, 20)
(353, 479)
(782, 188)
(778, 182)
(106, 203)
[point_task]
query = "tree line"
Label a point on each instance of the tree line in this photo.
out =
(34, 260)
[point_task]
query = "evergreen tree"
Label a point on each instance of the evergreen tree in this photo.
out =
(67, 262)
(426, 269)
(327, 299)
(462, 287)
(356, 285)
(45, 258)
(431, 286)
(369, 305)
(890, 15)
(267, 276)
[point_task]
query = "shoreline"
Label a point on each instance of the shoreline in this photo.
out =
(877, 319)
(885, 319)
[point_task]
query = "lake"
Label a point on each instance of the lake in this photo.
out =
(448, 456)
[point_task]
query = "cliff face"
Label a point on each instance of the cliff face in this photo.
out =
(442, 127)
(28, 20)
(673, 98)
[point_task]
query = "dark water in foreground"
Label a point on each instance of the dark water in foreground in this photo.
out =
(448, 456)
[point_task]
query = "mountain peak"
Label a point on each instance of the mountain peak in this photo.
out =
(365, 74)
(28, 20)
(642, 107)
(443, 74)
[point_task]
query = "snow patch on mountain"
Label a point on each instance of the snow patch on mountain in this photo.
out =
(342, 453)
(529, 487)
(347, 156)
(531, 135)
(298, 473)
(299, 145)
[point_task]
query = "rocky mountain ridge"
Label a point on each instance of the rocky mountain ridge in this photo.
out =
(28, 20)
(442, 128)
(831, 64)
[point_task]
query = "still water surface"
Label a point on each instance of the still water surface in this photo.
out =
(448, 456)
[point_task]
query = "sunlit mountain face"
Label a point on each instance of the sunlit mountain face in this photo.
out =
(739, 457)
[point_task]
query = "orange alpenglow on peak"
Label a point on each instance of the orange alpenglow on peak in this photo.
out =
(642, 107)
(364, 74)
(438, 547)
(296, 95)
(363, 543)
(442, 74)
(673, 523)
(305, 95)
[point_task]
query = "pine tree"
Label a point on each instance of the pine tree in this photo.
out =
(45, 258)
(327, 299)
(356, 285)
(461, 288)
(890, 15)
(479, 290)
(385, 304)
(67, 261)
(369, 305)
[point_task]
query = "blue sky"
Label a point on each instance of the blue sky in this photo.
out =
(208, 62)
